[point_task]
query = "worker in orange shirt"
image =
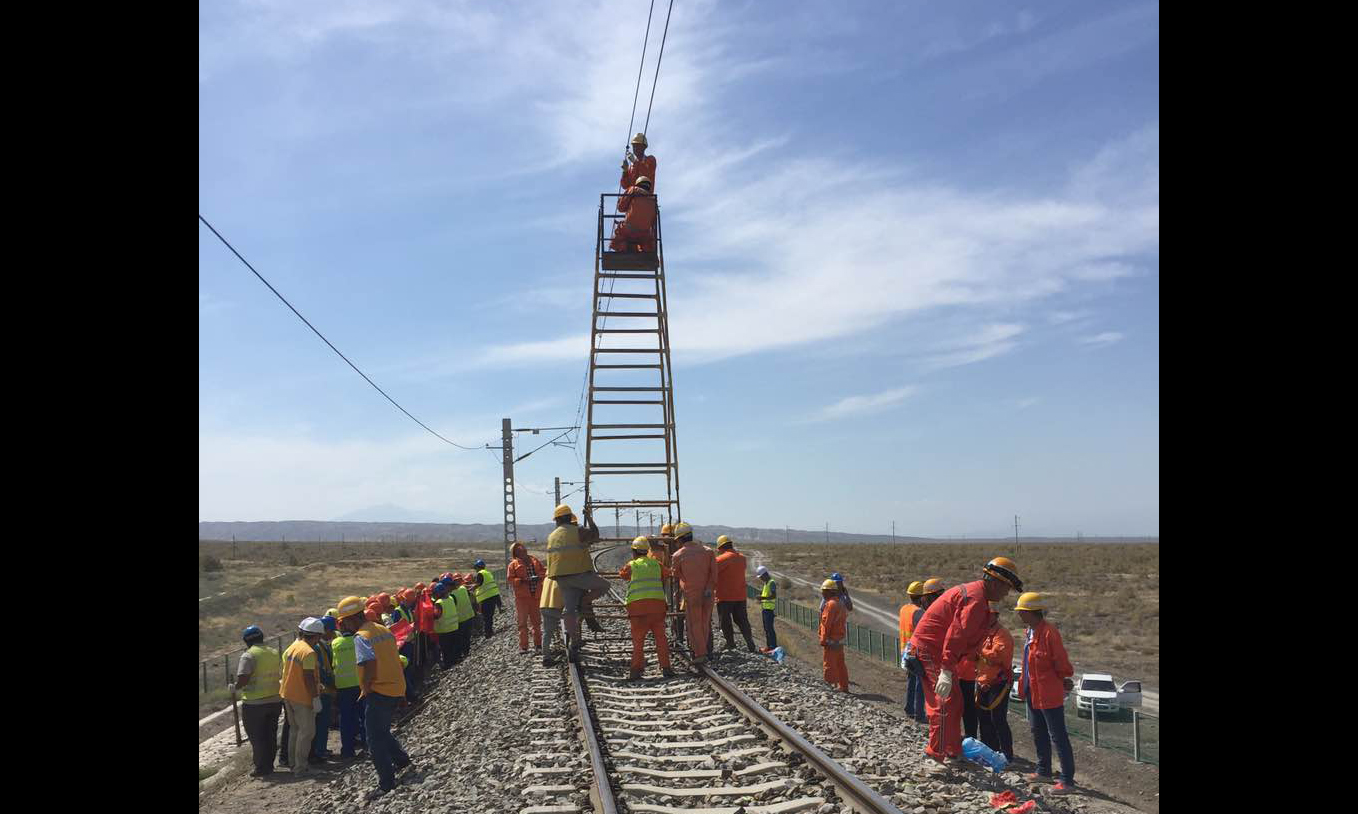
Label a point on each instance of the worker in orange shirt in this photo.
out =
(731, 593)
(696, 568)
(910, 613)
(646, 606)
(636, 164)
(1046, 679)
(525, 574)
(834, 618)
(994, 673)
(966, 687)
(636, 231)
(953, 626)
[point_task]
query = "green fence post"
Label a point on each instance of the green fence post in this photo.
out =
(204, 676)
(1093, 721)
(1136, 736)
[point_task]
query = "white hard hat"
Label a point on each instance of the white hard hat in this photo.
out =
(761, 571)
(311, 624)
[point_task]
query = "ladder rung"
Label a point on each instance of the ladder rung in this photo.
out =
(629, 276)
(626, 427)
(633, 472)
(627, 389)
(621, 437)
(627, 350)
(601, 295)
(627, 330)
(620, 504)
(658, 463)
(627, 367)
(626, 401)
(626, 314)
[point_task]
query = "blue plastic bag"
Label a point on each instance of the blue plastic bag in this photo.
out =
(778, 654)
(978, 752)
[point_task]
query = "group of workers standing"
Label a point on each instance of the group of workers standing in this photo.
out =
(959, 656)
(351, 661)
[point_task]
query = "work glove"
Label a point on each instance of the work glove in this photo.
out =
(944, 686)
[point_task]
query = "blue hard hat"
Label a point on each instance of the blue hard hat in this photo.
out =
(479, 564)
(329, 622)
(252, 632)
(836, 577)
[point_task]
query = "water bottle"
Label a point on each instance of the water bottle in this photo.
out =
(978, 752)
(778, 654)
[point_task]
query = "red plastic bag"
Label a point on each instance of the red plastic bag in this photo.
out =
(424, 613)
(1002, 800)
(401, 630)
(1023, 809)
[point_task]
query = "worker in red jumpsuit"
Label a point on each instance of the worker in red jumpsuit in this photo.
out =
(834, 619)
(525, 575)
(646, 607)
(696, 568)
(636, 231)
(956, 625)
(637, 164)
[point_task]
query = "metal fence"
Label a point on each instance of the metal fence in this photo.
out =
(1132, 732)
(227, 661)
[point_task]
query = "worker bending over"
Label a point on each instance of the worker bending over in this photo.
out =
(636, 164)
(569, 563)
(768, 601)
(525, 575)
(696, 568)
(834, 618)
(731, 593)
(636, 231)
(646, 606)
(953, 626)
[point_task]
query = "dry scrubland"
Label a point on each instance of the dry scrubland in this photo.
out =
(1105, 598)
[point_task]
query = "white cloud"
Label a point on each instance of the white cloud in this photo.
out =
(1105, 338)
(861, 405)
(1025, 403)
(1062, 317)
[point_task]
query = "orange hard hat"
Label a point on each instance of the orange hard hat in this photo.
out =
(1003, 569)
(371, 615)
(383, 599)
(419, 586)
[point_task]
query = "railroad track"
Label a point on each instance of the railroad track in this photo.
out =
(693, 744)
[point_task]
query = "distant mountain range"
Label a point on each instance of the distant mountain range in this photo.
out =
(414, 532)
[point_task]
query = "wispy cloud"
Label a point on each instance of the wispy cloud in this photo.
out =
(991, 341)
(1098, 340)
(861, 405)
(1062, 317)
(1025, 403)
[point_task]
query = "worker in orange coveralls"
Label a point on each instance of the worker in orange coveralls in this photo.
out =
(636, 231)
(834, 618)
(696, 567)
(637, 164)
(646, 606)
(731, 594)
(525, 576)
(955, 625)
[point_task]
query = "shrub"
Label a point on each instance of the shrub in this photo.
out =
(211, 563)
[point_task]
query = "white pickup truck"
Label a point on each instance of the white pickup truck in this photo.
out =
(1097, 691)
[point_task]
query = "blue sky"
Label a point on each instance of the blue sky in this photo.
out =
(912, 253)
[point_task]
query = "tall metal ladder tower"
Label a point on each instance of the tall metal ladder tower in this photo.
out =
(629, 436)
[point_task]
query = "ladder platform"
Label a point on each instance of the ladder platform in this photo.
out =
(630, 261)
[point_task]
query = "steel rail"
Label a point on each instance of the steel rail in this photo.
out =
(602, 792)
(857, 793)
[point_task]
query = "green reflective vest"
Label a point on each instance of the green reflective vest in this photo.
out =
(446, 623)
(346, 666)
(263, 681)
(645, 582)
(766, 600)
(464, 604)
(488, 586)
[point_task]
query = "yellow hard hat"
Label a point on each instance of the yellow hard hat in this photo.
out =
(348, 606)
(639, 138)
(723, 541)
(1003, 569)
(1031, 601)
(641, 544)
(829, 585)
(561, 511)
(916, 588)
(332, 613)
(683, 532)
(932, 585)
(667, 529)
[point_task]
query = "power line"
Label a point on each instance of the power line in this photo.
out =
(323, 339)
(657, 67)
(640, 67)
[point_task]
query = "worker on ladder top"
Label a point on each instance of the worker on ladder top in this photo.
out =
(636, 231)
(637, 164)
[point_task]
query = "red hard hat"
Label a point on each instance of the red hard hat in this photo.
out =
(419, 586)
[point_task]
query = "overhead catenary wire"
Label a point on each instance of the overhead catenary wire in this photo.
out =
(227, 243)
(657, 67)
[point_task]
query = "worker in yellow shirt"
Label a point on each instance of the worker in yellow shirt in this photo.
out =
(381, 686)
(300, 686)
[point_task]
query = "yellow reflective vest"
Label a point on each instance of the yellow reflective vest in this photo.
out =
(766, 599)
(488, 586)
(446, 623)
(464, 604)
(645, 582)
(566, 553)
(263, 681)
(390, 681)
(346, 668)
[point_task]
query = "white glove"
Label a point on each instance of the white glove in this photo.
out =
(944, 686)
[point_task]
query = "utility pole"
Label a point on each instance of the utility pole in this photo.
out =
(784, 535)
(233, 546)
(507, 447)
(893, 532)
(1016, 542)
(617, 522)
(827, 532)
(558, 492)
(638, 522)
